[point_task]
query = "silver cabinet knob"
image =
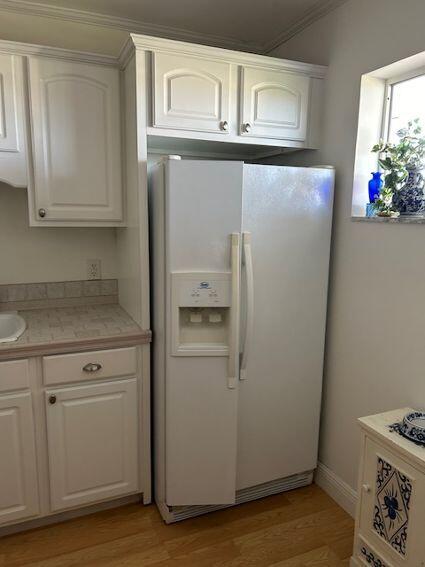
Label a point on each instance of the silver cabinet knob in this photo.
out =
(224, 125)
(366, 488)
(246, 127)
(52, 399)
(42, 213)
(92, 367)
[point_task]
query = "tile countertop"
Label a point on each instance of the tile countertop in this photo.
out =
(72, 329)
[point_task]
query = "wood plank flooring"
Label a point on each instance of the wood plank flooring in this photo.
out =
(301, 528)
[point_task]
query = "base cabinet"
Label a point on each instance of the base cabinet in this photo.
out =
(72, 434)
(18, 467)
(391, 514)
(92, 442)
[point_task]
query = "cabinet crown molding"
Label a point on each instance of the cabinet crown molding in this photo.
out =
(28, 49)
(138, 42)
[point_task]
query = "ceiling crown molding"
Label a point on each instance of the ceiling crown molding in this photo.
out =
(126, 24)
(322, 8)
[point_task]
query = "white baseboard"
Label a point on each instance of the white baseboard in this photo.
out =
(337, 489)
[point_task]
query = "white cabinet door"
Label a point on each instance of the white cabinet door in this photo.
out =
(18, 468)
(190, 93)
(92, 442)
(392, 512)
(274, 104)
(13, 166)
(75, 111)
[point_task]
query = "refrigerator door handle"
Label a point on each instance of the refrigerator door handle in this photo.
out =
(234, 312)
(247, 260)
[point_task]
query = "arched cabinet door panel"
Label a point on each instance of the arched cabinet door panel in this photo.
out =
(190, 93)
(75, 110)
(13, 166)
(274, 104)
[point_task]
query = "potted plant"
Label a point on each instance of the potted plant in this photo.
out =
(403, 164)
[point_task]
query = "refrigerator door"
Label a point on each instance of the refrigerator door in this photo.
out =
(203, 210)
(287, 212)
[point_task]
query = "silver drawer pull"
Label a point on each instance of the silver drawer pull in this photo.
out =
(92, 367)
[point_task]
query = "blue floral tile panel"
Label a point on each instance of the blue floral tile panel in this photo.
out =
(392, 506)
(371, 557)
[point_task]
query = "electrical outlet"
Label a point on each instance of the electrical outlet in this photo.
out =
(94, 269)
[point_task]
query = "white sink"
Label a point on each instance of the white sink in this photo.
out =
(12, 326)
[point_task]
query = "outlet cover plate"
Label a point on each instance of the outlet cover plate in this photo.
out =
(94, 269)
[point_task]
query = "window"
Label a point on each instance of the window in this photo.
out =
(390, 97)
(406, 102)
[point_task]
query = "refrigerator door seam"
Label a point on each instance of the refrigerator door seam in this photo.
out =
(247, 262)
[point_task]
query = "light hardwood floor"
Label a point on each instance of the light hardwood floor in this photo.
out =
(300, 528)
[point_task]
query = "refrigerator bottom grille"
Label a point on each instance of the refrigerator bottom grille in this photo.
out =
(178, 513)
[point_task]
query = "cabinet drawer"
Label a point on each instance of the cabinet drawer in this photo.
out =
(391, 512)
(14, 375)
(100, 364)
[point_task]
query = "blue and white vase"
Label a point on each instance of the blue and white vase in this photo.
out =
(409, 200)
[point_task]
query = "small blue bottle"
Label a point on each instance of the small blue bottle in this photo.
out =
(375, 185)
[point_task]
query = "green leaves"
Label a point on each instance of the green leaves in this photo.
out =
(396, 159)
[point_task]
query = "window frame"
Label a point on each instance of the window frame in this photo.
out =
(388, 97)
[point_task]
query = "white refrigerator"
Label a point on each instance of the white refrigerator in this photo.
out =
(240, 260)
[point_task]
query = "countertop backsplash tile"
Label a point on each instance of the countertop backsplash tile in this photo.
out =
(15, 297)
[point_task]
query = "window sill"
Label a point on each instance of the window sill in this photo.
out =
(397, 220)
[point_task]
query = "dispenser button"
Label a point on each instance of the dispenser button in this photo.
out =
(215, 318)
(196, 317)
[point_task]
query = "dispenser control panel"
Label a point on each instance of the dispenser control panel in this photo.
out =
(203, 290)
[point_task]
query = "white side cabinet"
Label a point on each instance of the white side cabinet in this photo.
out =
(13, 154)
(18, 466)
(92, 442)
(76, 130)
(190, 93)
(390, 513)
(274, 104)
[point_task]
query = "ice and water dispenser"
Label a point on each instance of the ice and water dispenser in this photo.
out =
(200, 304)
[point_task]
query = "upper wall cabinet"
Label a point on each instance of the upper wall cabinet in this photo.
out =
(75, 114)
(190, 93)
(274, 104)
(13, 165)
(197, 92)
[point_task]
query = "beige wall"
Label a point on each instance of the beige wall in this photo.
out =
(52, 254)
(48, 254)
(57, 33)
(376, 335)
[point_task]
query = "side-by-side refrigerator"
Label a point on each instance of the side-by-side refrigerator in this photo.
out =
(240, 260)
